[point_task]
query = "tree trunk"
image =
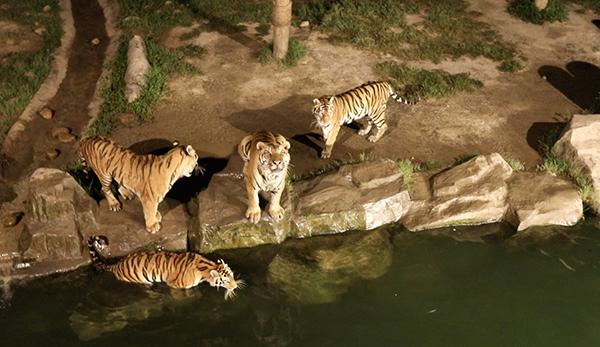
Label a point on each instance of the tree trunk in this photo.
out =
(281, 20)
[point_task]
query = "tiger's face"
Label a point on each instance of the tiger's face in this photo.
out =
(323, 113)
(222, 277)
(273, 158)
(189, 160)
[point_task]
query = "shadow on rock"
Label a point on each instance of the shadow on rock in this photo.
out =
(320, 270)
(596, 22)
(580, 82)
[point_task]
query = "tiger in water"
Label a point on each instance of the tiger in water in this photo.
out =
(177, 270)
(266, 159)
(150, 177)
(368, 100)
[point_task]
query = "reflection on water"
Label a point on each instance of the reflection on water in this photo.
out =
(386, 287)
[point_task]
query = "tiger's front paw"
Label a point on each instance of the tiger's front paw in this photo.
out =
(253, 214)
(152, 229)
(325, 154)
(276, 212)
(114, 206)
(158, 217)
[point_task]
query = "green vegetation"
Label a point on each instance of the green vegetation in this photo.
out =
(422, 83)
(191, 51)
(22, 73)
(528, 12)
(333, 165)
(86, 179)
(295, 52)
(593, 5)
(225, 16)
(408, 168)
(515, 164)
(559, 166)
(448, 29)
(512, 65)
(263, 29)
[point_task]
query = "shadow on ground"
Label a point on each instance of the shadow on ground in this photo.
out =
(580, 81)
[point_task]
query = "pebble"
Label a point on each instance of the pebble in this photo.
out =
(46, 8)
(305, 24)
(40, 31)
(126, 118)
(66, 137)
(59, 130)
(52, 153)
(12, 219)
(95, 41)
(46, 113)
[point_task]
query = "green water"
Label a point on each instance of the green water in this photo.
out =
(380, 288)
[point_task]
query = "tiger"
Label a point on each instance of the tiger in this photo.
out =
(266, 159)
(369, 99)
(149, 177)
(177, 270)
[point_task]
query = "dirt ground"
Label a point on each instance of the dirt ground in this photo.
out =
(236, 95)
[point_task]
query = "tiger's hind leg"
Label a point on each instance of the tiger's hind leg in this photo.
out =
(113, 203)
(126, 193)
(380, 125)
(366, 127)
(150, 214)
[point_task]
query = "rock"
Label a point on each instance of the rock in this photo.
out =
(579, 145)
(305, 24)
(127, 118)
(540, 199)
(137, 68)
(40, 31)
(220, 222)
(46, 113)
(46, 8)
(335, 263)
(472, 193)
(52, 153)
(357, 197)
(59, 130)
(66, 137)
(541, 4)
(59, 212)
(95, 41)
(12, 219)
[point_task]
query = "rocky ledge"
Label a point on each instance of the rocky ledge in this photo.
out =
(59, 215)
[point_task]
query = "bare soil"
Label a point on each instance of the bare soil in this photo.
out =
(15, 37)
(236, 95)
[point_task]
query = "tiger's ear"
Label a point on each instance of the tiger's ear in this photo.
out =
(330, 101)
(261, 145)
(286, 145)
(316, 101)
(213, 273)
(190, 150)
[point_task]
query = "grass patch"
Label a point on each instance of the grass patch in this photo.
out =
(528, 12)
(593, 5)
(408, 169)
(263, 29)
(515, 164)
(295, 52)
(191, 34)
(448, 29)
(225, 16)
(334, 165)
(511, 65)
(191, 51)
(421, 83)
(22, 73)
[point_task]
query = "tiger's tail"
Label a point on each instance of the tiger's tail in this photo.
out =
(245, 147)
(402, 100)
(97, 260)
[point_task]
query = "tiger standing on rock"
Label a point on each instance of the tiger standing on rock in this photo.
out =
(177, 270)
(149, 177)
(368, 100)
(266, 159)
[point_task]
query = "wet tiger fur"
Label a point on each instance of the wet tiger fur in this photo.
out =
(266, 159)
(368, 100)
(148, 177)
(177, 270)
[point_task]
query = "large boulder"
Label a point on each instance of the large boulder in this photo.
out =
(472, 193)
(357, 197)
(580, 146)
(541, 199)
(59, 211)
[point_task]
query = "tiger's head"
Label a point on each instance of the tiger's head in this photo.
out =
(222, 277)
(273, 158)
(186, 159)
(323, 113)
